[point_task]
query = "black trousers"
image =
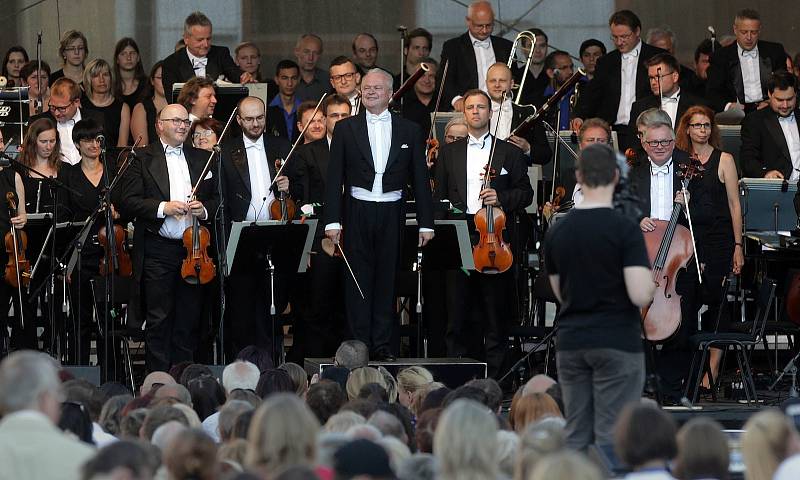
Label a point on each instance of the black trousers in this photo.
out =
(172, 306)
(372, 240)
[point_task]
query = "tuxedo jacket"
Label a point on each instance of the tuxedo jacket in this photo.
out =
(309, 172)
(601, 96)
(178, 68)
(236, 181)
(764, 146)
(276, 124)
(351, 165)
(143, 187)
(462, 72)
(639, 176)
(541, 152)
(725, 84)
(685, 101)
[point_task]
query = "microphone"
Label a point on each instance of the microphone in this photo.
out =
(257, 212)
(401, 28)
(263, 202)
(39, 38)
(100, 138)
(713, 37)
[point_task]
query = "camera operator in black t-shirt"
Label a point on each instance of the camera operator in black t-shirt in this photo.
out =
(600, 273)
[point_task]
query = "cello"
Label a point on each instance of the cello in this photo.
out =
(670, 248)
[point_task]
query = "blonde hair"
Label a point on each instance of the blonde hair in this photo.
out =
(362, 376)
(465, 442)
(418, 398)
(282, 434)
(765, 443)
(567, 464)
(93, 69)
(413, 378)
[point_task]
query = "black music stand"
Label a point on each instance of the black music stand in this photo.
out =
(270, 247)
(450, 249)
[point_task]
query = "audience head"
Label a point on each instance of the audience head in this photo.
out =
(626, 30)
(174, 393)
(352, 354)
(420, 466)
(342, 421)
(307, 51)
(494, 394)
(131, 424)
(198, 97)
(128, 459)
(411, 379)
(325, 398)
(426, 428)
(274, 381)
(769, 438)
(111, 414)
(644, 434)
(240, 374)
(227, 417)
(207, 395)
(191, 454)
(466, 441)
(75, 420)
(537, 441)
(480, 19)
(532, 408)
(165, 433)
(282, 434)
(361, 376)
(747, 28)
(571, 465)
(703, 450)
(362, 459)
(197, 34)
(158, 416)
(29, 381)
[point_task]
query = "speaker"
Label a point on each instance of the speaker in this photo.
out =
(84, 372)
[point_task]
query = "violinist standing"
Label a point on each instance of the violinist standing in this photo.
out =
(374, 155)
(10, 181)
(155, 191)
(478, 327)
(86, 178)
(248, 168)
(658, 183)
(598, 267)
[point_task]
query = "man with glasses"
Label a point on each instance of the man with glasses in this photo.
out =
(471, 54)
(374, 157)
(156, 192)
(478, 327)
(345, 80)
(663, 73)
(620, 77)
(247, 176)
(559, 68)
(323, 325)
(65, 111)
(770, 136)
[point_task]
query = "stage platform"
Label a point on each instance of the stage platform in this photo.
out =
(453, 372)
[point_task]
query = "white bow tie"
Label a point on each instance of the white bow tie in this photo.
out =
(173, 150)
(662, 170)
(669, 100)
(255, 145)
(383, 117)
(505, 106)
(750, 53)
(198, 63)
(482, 43)
(631, 54)
(480, 143)
(789, 118)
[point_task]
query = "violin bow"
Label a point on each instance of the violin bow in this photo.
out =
(438, 98)
(689, 173)
(297, 142)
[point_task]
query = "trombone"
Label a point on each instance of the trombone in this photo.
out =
(523, 35)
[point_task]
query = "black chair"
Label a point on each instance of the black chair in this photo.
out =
(742, 343)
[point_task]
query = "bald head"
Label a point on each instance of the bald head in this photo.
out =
(173, 124)
(538, 384)
(498, 81)
(155, 378)
(251, 117)
(480, 19)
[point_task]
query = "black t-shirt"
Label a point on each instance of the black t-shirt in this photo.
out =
(588, 249)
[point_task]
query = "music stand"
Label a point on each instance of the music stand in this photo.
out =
(450, 249)
(768, 204)
(270, 247)
(14, 112)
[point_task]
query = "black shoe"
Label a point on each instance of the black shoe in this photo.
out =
(384, 356)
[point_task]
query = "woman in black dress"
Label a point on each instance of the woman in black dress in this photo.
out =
(716, 214)
(98, 96)
(143, 118)
(130, 81)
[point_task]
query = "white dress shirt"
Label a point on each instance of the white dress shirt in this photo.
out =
(477, 157)
(260, 180)
(792, 136)
(69, 152)
(484, 58)
(661, 197)
(504, 130)
(630, 62)
(670, 105)
(751, 76)
(577, 195)
(198, 64)
(180, 188)
(355, 103)
(379, 129)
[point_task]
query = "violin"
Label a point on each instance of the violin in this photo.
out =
(197, 267)
(492, 254)
(121, 246)
(18, 268)
(670, 248)
(433, 151)
(283, 207)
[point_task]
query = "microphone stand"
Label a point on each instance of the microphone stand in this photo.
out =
(660, 92)
(39, 106)
(402, 29)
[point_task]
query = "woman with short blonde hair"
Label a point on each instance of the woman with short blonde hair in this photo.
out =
(769, 438)
(362, 376)
(409, 380)
(465, 442)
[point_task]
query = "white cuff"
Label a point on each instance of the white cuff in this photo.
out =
(425, 230)
(454, 100)
(160, 212)
(333, 226)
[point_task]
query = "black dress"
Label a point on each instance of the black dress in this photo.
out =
(150, 115)
(113, 117)
(136, 96)
(713, 231)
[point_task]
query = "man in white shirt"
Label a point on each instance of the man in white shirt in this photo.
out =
(31, 445)
(156, 192)
(249, 167)
(373, 157)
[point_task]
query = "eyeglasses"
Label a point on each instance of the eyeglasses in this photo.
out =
(259, 118)
(487, 26)
(178, 122)
(202, 133)
(376, 88)
(61, 109)
(699, 126)
(656, 77)
(453, 138)
(344, 76)
(624, 37)
(75, 49)
(664, 143)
